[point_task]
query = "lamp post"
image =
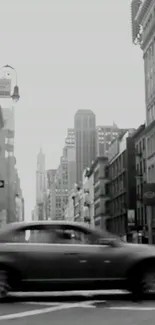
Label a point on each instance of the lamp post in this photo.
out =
(10, 73)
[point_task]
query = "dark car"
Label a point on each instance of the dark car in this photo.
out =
(59, 256)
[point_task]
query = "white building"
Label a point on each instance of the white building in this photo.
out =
(105, 135)
(41, 186)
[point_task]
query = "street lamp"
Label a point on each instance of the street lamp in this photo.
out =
(15, 96)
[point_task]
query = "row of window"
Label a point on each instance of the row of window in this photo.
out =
(150, 70)
(151, 144)
(141, 145)
(141, 167)
(151, 173)
(151, 114)
(117, 166)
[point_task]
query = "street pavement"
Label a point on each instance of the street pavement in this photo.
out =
(106, 308)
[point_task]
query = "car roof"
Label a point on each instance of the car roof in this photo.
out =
(18, 225)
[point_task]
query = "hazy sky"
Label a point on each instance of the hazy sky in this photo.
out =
(69, 54)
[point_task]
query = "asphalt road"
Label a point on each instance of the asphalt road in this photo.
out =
(101, 308)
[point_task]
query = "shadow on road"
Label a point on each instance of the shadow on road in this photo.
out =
(75, 298)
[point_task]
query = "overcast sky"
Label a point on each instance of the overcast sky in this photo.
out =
(69, 54)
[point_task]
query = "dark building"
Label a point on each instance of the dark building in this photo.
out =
(85, 140)
(141, 179)
(122, 186)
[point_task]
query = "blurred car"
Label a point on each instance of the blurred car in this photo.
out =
(60, 256)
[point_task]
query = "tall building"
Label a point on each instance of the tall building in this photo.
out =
(105, 135)
(69, 154)
(65, 176)
(7, 167)
(85, 141)
(41, 186)
(51, 194)
(144, 18)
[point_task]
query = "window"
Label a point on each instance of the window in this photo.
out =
(30, 235)
(52, 235)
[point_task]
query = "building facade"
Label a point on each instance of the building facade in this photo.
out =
(122, 186)
(85, 141)
(51, 195)
(145, 20)
(7, 168)
(99, 173)
(88, 204)
(105, 135)
(19, 200)
(65, 176)
(141, 179)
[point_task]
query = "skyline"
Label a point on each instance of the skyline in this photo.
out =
(68, 60)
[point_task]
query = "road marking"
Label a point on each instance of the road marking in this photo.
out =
(133, 308)
(45, 310)
(69, 293)
(41, 303)
(84, 304)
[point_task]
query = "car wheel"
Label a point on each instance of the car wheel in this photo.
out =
(4, 285)
(148, 281)
(144, 284)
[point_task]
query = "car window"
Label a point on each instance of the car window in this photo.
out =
(52, 235)
(30, 236)
(70, 236)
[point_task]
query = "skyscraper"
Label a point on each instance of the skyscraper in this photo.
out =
(41, 185)
(85, 141)
(65, 176)
(51, 194)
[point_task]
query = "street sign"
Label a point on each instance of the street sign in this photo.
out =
(1, 184)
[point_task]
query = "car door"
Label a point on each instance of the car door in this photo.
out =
(73, 261)
(35, 257)
(79, 255)
(107, 260)
(47, 261)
